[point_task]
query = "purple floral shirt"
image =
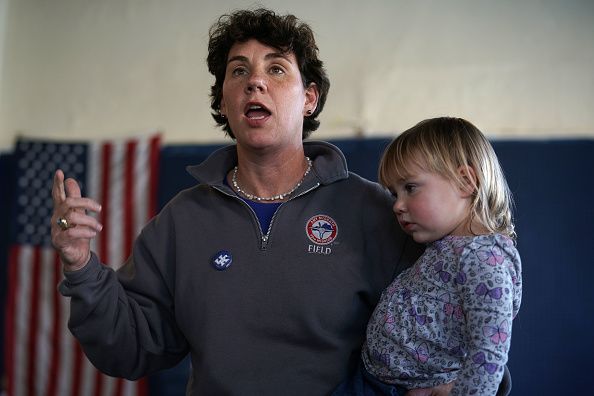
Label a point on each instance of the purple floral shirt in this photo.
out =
(448, 317)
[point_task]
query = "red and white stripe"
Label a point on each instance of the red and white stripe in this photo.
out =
(42, 356)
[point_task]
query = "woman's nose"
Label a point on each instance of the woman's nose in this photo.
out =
(256, 83)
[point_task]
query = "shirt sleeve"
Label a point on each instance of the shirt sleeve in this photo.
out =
(125, 320)
(488, 303)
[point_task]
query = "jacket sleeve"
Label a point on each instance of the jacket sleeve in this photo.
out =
(125, 320)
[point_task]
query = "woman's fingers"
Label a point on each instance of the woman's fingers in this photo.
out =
(58, 192)
(71, 188)
(80, 219)
(72, 225)
(75, 212)
(69, 235)
(68, 192)
(69, 204)
(79, 205)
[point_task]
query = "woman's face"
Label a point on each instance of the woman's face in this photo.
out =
(263, 96)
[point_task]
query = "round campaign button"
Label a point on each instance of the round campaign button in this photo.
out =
(222, 260)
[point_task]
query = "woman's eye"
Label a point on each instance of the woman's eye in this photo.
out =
(276, 70)
(239, 71)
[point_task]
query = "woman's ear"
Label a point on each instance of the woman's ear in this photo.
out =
(469, 180)
(311, 99)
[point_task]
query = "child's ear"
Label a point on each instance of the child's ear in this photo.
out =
(469, 181)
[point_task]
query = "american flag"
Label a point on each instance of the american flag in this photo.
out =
(42, 357)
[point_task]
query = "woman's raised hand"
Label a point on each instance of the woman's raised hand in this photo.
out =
(72, 227)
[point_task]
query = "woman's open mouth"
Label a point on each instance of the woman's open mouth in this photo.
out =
(256, 112)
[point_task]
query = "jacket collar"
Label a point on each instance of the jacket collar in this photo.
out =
(329, 164)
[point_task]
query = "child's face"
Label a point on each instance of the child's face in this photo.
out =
(429, 206)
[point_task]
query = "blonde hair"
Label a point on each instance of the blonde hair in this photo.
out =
(443, 145)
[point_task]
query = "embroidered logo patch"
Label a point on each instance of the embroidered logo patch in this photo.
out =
(321, 229)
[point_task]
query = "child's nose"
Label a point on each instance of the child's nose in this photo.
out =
(399, 206)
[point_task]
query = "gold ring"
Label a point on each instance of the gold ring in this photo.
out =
(63, 223)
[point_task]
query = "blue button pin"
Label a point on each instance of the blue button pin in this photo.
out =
(222, 260)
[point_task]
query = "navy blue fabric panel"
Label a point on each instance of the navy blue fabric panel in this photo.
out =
(552, 343)
(7, 171)
(172, 172)
(363, 155)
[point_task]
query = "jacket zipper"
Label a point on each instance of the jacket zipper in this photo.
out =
(264, 237)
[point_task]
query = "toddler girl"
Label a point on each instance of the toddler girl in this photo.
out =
(448, 317)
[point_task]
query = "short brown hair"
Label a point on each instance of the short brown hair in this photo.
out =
(285, 33)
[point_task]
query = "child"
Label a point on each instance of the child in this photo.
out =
(448, 317)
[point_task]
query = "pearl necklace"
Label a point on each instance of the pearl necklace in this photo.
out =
(274, 198)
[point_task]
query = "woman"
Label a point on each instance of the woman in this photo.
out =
(267, 270)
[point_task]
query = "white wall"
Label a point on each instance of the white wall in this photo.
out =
(3, 28)
(98, 68)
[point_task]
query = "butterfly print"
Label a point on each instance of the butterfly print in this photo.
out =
(420, 352)
(457, 348)
(389, 322)
(451, 310)
(421, 319)
(492, 256)
(443, 275)
(416, 271)
(405, 294)
(381, 356)
(498, 333)
(481, 361)
(460, 278)
(483, 290)
(458, 244)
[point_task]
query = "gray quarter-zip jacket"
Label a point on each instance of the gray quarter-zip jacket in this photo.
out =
(276, 312)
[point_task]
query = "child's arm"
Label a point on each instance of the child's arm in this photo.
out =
(488, 302)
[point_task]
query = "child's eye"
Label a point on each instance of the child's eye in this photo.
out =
(410, 188)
